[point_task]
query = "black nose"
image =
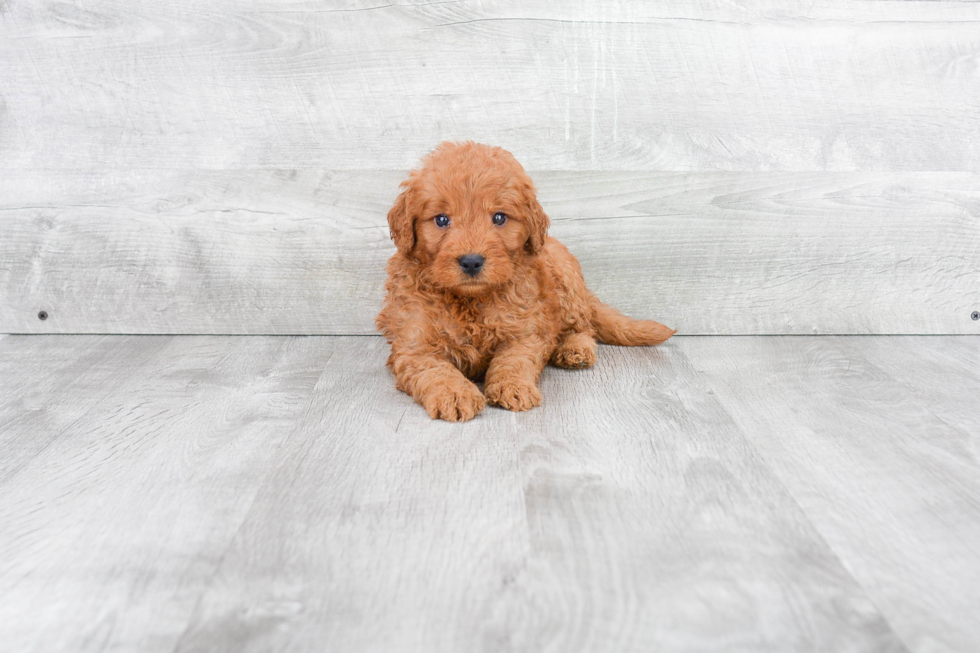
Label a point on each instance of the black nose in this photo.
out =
(471, 264)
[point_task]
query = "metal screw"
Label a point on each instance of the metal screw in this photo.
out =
(975, 315)
(43, 315)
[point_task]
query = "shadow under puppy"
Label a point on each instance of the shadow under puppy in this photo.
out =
(478, 290)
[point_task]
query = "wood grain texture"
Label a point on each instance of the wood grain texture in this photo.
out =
(767, 167)
(279, 494)
(643, 487)
(65, 382)
(764, 85)
(876, 439)
(298, 251)
(112, 528)
(381, 530)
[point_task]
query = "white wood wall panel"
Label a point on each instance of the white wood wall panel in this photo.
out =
(225, 167)
(271, 251)
(567, 85)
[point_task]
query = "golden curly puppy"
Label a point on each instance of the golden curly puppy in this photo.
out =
(478, 290)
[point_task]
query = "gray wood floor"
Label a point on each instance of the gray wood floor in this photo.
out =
(188, 493)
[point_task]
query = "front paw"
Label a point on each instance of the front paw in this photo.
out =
(457, 402)
(513, 394)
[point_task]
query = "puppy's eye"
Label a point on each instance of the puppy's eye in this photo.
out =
(499, 218)
(442, 220)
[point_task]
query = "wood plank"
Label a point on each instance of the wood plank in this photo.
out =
(49, 384)
(942, 374)
(769, 85)
(299, 251)
(110, 533)
(628, 514)
(380, 529)
(648, 490)
(888, 475)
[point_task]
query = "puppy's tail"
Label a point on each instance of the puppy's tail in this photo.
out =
(614, 328)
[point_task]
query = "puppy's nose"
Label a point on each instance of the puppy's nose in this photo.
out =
(471, 264)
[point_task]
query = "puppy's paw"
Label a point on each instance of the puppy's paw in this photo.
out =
(576, 351)
(513, 394)
(574, 358)
(456, 402)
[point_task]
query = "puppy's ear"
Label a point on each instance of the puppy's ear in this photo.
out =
(401, 223)
(537, 224)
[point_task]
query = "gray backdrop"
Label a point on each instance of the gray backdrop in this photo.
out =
(728, 168)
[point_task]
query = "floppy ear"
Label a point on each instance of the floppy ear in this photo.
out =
(401, 224)
(537, 224)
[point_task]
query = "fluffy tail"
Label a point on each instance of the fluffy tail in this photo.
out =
(614, 328)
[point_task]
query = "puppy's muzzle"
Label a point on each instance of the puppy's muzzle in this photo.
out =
(471, 264)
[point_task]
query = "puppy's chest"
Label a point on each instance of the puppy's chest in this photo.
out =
(476, 330)
(475, 326)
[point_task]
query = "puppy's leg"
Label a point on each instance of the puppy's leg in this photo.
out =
(575, 350)
(437, 385)
(512, 377)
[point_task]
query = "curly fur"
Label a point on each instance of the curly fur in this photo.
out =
(527, 306)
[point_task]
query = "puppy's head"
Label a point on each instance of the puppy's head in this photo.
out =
(468, 216)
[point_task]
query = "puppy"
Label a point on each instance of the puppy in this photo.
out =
(478, 290)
